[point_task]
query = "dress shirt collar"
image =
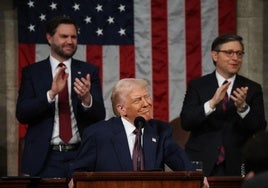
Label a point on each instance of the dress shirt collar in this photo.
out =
(129, 127)
(54, 63)
(221, 79)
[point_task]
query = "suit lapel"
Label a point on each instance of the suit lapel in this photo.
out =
(120, 145)
(75, 73)
(45, 69)
(150, 143)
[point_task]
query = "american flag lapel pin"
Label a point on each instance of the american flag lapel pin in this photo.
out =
(154, 139)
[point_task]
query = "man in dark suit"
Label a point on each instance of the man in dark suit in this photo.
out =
(255, 156)
(258, 181)
(220, 124)
(108, 145)
(46, 152)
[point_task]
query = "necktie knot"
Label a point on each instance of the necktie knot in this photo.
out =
(61, 65)
(225, 82)
(136, 132)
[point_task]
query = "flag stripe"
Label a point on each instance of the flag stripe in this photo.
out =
(193, 39)
(177, 59)
(127, 61)
(143, 45)
(227, 16)
(94, 55)
(111, 74)
(160, 59)
(209, 17)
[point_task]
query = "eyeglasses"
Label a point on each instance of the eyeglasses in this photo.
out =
(230, 53)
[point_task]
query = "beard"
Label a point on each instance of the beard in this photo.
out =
(60, 52)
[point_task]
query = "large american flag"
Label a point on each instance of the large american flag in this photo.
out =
(166, 42)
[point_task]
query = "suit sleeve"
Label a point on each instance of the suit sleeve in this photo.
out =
(255, 119)
(32, 103)
(193, 113)
(86, 157)
(97, 111)
(175, 157)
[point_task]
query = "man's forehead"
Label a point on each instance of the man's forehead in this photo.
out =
(136, 94)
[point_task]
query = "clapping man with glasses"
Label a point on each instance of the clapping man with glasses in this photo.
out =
(222, 110)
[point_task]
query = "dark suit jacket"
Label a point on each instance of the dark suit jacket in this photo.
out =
(105, 148)
(258, 181)
(220, 128)
(33, 109)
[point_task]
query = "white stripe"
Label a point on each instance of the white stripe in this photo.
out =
(142, 32)
(209, 25)
(81, 53)
(177, 61)
(42, 52)
(111, 75)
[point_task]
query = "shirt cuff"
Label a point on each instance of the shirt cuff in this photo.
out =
(88, 106)
(49, 99)
(208, 109)
(243, 114)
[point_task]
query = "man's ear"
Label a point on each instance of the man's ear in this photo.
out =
(121, 109)
(48, 36)
(214, 56)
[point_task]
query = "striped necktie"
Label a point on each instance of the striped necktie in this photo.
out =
(137, 157)
(225, 99)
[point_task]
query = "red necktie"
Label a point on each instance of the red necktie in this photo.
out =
(137, 158)
(225, 99)
(64, 114)
(221, 155)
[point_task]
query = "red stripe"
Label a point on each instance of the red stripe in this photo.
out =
(160, 59)
(94, 56)
(227, 16)
(127, 61)
(26, 57)
(193, 39)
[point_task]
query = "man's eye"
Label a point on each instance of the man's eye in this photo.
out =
(137, 101)
(239, 53)
(229, 52)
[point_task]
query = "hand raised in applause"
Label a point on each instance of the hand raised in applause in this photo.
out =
(82, 88)
(59, 82)
(219, 95)
(239, 97)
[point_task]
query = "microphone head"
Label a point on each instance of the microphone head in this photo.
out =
(139, 122)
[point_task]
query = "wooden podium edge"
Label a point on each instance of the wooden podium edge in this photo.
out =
(141, 175)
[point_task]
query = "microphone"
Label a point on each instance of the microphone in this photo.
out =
(139, 123)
